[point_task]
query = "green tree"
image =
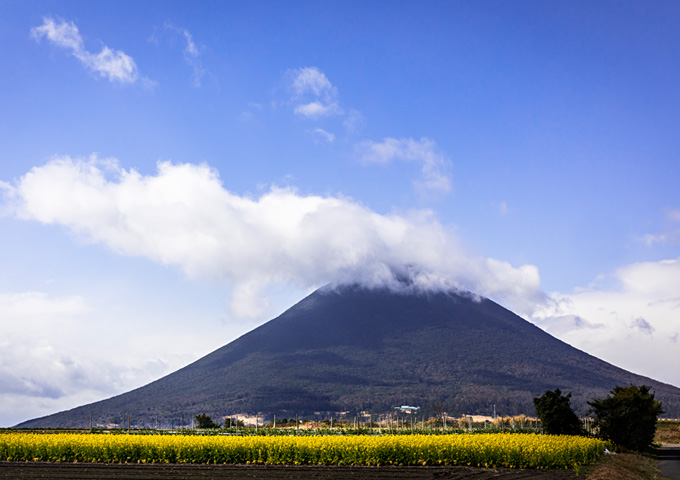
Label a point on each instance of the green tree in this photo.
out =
(628, 416)
(556, 414)
(204, 421)
(233, 422)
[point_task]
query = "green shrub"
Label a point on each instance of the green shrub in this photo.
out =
(204, 421)
(556, 414)
(628, 416)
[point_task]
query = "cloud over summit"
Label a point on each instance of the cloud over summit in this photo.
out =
(184, 217)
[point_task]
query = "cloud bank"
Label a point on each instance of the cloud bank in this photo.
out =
(114, 65)
(59, 352)
(29, 319)
(183, 216)
(632, 321)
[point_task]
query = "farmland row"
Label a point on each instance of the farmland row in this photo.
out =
(481, 450)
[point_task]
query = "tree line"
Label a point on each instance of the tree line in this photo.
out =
(627, 416)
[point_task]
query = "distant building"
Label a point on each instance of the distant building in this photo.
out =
(407, 409)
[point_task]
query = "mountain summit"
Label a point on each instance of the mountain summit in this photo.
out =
(352, 348)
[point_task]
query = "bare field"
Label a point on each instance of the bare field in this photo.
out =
(98, 471)
(667, 431)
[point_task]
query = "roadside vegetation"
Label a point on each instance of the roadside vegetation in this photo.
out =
(637, 466)
(625, 466)
(667, 431)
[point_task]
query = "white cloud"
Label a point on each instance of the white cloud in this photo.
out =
(313, 94)
(315, 109)
(665, 237)
(670, 235)
(354, 121)
(434, 165)
(191, 53)
(323, 135)
(502, 208)
(62, 34)
(634, 324)
(61, 351)
(312, 80)
(38, 305)
(183, 216)
(33, 368)
(643, 325)
(112, 64)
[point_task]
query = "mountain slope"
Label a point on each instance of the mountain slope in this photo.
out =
(357, 349)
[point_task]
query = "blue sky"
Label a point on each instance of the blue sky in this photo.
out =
(174, 168)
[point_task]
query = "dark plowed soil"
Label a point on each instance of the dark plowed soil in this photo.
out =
(99, 471)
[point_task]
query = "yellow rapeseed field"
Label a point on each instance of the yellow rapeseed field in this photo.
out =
(481, 450)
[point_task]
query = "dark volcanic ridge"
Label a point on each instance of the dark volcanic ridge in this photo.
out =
(354, 349)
